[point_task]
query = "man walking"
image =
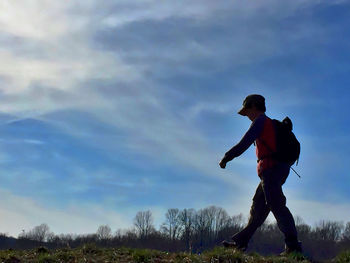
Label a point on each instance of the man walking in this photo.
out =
(272, 173)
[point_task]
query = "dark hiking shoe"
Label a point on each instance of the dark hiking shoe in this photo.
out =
(292, 249)
(234, 245)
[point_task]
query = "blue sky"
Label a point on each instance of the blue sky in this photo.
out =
(107, 109)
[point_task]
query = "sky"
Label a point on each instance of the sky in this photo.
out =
(114, 107)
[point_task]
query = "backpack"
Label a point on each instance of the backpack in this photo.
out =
(288, 146)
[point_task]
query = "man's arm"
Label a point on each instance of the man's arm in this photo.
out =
(250, 136)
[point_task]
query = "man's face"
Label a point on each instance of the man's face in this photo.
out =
(251, 113)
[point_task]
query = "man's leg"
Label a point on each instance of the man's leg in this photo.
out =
(258, 214)
(272, 186)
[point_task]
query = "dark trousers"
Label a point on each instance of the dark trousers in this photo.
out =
(269, 197)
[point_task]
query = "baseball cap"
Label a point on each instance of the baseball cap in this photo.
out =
(248, 102)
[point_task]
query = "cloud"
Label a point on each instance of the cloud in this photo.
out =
(154, 85)
(19, 212)
(320, 211)
(66, 166)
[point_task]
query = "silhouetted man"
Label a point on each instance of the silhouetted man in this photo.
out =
(273, 174)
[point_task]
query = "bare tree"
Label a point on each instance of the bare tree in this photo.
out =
(118, 234)
(104, 232)
(187, 219)
(52, 238)
(202, 227)
(38, 233)
(237, 221)
(303, 229)
(209, 217)
(143, 221)
(215, 219)
(299, 220)
(67, 239)
(131, 234)
(171, 226)
(329, 230)
(220, 220)
(346, 232)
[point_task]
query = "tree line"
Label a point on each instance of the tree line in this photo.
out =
(197, 230)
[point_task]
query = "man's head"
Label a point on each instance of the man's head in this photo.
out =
(253, 105)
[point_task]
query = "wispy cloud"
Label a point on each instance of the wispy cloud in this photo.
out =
(20, 213)
(122, 95)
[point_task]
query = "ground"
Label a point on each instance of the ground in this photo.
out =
(92, 254)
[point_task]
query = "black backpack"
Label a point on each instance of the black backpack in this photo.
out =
(288, 146)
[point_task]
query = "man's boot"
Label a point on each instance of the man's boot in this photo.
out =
(234, 245)
(292, 248)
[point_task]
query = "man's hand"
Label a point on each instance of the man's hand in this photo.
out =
(222, 163)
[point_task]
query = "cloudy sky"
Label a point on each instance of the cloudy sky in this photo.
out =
(114, 107)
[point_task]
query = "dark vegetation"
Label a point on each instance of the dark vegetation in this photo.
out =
(193, 232)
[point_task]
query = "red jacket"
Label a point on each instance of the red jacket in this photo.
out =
(262, 132)
(265, 146)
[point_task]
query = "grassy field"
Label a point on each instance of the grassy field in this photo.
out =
(90, 253)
